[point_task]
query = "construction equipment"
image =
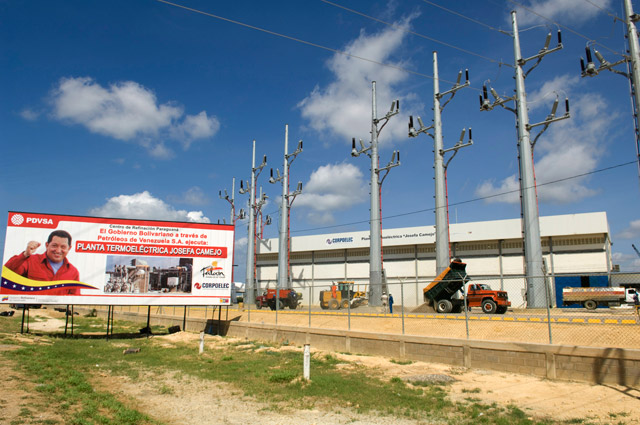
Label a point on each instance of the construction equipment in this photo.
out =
(288, 298)
(443, 294)
(342, 295)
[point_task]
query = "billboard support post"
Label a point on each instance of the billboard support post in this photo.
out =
(184, 319)
(148, 321)
(22, 326)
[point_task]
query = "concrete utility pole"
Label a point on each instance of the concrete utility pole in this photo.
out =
(284, 280)
(375, 241)
(443, 251)
(251, 286)
(534, 266)
(633, 61)
(234, 218)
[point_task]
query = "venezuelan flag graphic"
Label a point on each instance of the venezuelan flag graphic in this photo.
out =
(14, 284)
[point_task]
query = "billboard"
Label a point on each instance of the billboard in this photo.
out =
(61, 259)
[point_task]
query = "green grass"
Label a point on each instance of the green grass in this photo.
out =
(63, 372)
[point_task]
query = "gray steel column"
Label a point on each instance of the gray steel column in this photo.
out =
(283, 250)
(530, 217)
(251, 233)
(634, 51)
(233, 205)
(375, 241)
(442, 227)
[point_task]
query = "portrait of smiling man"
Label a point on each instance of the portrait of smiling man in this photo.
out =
(48, 266)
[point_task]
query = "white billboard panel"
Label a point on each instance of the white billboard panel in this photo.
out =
(60, 259)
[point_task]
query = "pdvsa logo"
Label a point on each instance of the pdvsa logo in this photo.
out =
(17, 219)
(212, 272)
(32, 221)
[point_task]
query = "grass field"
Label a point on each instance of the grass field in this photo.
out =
(64, 372)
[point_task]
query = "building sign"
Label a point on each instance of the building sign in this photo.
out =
(58, 259)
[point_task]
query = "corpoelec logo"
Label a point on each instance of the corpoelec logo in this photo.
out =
(331, 241)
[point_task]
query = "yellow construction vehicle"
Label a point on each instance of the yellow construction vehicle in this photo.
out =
(342, 295)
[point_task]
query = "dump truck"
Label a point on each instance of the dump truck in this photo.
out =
(342, 295)
(288, 298)
(591, 297)
(444, 293)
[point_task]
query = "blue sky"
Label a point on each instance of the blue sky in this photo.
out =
(146, 110)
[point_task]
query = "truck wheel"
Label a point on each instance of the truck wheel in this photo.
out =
(280, 305)
(333, 304)
(444, 306)
(293, 304)
(590, 304)
(501, 310)
(489, 306)
(324, 306)
(258, 305)
(344, 303)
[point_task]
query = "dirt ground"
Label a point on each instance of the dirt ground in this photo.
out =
(168, 399)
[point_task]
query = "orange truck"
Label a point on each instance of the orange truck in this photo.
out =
(444, 293)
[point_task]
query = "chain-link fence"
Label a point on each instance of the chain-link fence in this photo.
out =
(406, 310)
(612, 322)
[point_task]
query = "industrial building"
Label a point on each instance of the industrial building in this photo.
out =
(573, 244)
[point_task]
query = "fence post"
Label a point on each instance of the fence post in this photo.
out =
(402, 300)
(466, 309)
(547, 292)
(349, 307)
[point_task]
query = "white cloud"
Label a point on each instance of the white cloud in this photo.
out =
(195, 127)
(632, 231)
(505, 191)
(331, 188)
(569, 148)
(627, 262)
(560, 86)
(566, 11)
(130, 112)
(29, 114)
(241, 243)
(193, 196)
(144, 206)
(344, 106)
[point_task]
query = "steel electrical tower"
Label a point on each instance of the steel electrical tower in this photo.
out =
(440, 168)
(375, 240)
(284, 280)
(633, 62)
(251, 286)
(534, 266)
(234, 217)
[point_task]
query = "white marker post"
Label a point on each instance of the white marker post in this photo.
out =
(307, 361)
(201, 342)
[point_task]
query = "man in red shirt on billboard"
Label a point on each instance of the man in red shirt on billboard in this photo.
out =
(49, 266)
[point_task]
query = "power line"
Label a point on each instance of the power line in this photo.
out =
(483, 198)
(563, 26)
(298, 40)
(465, 17)
(597, 6)
(416, 33)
